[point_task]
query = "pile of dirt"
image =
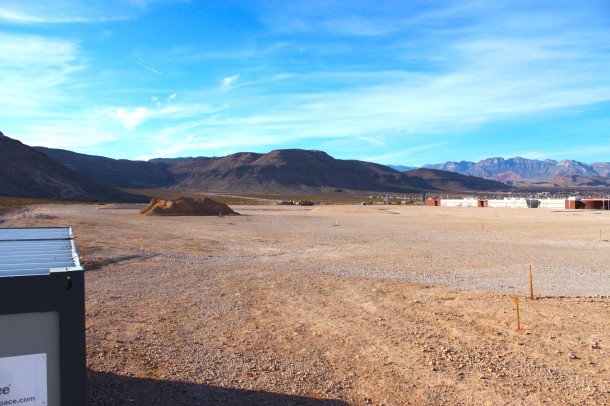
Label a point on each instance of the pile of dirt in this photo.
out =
(187, 206)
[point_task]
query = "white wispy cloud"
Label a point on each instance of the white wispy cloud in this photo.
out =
(562, 153)
(71, 11)
(159, 104)
(130, 118)
(26, 52)
(361, 26)
(228, 81)
(411, 155)
(372, 140)
(371, 77)
(207, 144)
(406, 105)
(282, 76)
(66, 134)
(34, 71)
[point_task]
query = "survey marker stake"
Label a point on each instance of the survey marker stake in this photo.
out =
(518, 316)
(531, 285)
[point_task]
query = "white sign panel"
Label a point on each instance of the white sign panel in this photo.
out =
(23, 380)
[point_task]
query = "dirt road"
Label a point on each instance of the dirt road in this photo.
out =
(343, 305)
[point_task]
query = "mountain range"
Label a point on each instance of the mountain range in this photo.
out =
(277, 172)
(531, 172)
(39, 172)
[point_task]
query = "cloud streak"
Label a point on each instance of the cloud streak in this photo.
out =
(143, 65)
(69, 11)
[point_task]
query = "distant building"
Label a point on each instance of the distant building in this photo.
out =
(574, 202)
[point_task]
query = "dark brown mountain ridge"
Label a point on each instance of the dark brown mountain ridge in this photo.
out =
(110, 172)
(28, 173)
(276, 172)
(60, 174)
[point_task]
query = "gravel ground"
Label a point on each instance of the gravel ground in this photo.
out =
(342, 305)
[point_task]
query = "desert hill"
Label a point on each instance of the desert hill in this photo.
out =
(26, 172)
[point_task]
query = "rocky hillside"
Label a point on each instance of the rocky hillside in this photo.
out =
(524, 171)
(26, 172)
(602, 168)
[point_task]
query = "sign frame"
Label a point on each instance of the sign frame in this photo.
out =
(63, 292)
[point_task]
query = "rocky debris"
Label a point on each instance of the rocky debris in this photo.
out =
(187, 206)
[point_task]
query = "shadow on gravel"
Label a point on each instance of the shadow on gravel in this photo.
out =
(94, 264)
(111, 389)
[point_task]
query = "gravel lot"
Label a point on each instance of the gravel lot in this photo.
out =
(342, 305)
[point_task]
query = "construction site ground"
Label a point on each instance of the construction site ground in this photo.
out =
(337, 305)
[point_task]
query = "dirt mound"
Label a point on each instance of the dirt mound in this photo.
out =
(187, 206)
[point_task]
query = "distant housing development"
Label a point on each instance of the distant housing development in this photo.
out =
(575, 202)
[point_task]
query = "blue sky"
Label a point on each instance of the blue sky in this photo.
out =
(395, 82)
